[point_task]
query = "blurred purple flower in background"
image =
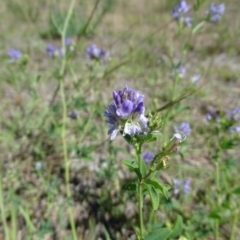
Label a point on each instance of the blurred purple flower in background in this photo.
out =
(179, 186)
(212, 116)
(14, 55)
(215, 12)
(39, 166)
(234, 130)
(188, 22)
(179, 71)
(52, 51)
(147, 157)
(234, 115)
(126, 113)
(186, 187)
(95, 53)
(73, 115)
(179, 9)
(68, 41)
(184, 128)
(195, 79)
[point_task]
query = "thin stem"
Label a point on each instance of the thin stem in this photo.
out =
(64, 118)
(3, 217)
(218, 200)
(235, 220)
(140, 197)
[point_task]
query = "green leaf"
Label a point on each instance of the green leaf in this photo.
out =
(159, 234)
(154, 196)
(197, 28)
(128, 138)
(143, 168)
(130, 187)
(177, 229)
(214, 215)
(159, 187)
(152, 137)
(133, 166)
(236, 191)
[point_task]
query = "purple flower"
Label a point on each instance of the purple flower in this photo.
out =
(52, 51)
(195, 79)
(184, 128)
(14, 54)
(176, 186)
(147, 157)
(186, 187)
(234, 130)
(39, 166)
(179, 186)
(68, 41)
(188, 22)
(126, 113)
(95, 53)
(179, 72)
(74, 114)
(179, 9)
(234, 115)
(215, 12)
(212, 116)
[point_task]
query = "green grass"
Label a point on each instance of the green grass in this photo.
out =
(143, 43)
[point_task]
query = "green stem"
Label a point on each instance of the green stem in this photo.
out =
(64, 118)
(140, 196)
(235, 220)
(218, 200)
(3, 217)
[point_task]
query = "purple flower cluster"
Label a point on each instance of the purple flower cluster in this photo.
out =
(179, 186)
(126, 113)
(14, 55)
(52, 51)
(215, 12)
(212, 116)
(95, 53)
(234, 130)
(147, 157)
(234, 115)
(183, 128)
(179, 11)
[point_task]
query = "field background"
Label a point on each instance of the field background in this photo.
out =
(36, 130)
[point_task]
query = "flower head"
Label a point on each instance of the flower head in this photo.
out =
(147, 157)
(184, 128)
(235, 130)
(126, 113)
(95, 53)
(52, 51)
(195, 79)
(181, 186)
(215, 12)
(234, 115)
(179, 9)
(188, 21)
(74, 115)
(68, 41)
(212, 116)
(186, 187)
(14, 55)
(179, 14)
(179, 71)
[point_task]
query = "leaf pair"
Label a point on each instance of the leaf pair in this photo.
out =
(165, 233)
